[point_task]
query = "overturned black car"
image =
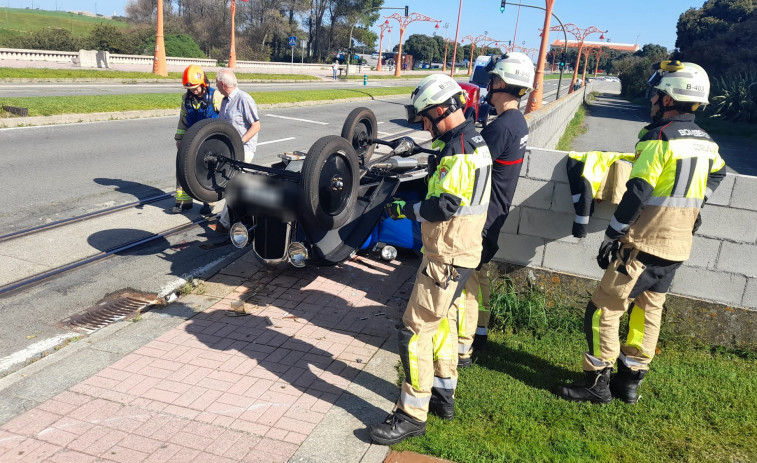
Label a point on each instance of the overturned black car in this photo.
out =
(320, 207)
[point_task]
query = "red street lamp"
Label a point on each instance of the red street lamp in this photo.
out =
(597, 53)
(446, 46)
(232, 46)
(404, 21)
(384, 26)
(580, 35)
(474, 41)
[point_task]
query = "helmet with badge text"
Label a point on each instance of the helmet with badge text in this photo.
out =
(516, 70)
(433, 91)
(684, 82)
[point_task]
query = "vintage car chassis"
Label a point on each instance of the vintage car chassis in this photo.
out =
(318, 208)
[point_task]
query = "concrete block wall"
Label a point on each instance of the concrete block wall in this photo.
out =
(547, 124)
(723, 263)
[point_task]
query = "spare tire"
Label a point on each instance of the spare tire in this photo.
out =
(359, 127)
(205, 181)
(330, 180)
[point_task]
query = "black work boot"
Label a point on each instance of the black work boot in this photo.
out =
(464, 362)
(595, 388)
(623, 385)
(479, 342)
(206, 209)
(443, 410)
(396, 428)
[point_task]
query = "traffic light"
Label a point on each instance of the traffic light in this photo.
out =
(562, 61)
(406, 12)
(502, 6)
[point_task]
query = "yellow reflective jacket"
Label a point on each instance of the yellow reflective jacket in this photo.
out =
(453, 213)
(677, 168)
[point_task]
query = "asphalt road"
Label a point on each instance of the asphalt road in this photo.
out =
(55, 172)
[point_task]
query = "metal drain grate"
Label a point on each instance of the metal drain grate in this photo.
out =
(115, 307)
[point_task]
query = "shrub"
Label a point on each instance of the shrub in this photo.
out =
(733, 97)
(179, 45)
(47, 39)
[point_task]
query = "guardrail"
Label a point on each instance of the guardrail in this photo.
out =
(38, 55)
(113, 58)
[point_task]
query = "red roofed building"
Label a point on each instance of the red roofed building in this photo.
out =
(629, 47)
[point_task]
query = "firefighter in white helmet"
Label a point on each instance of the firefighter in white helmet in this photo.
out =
(452, 215)
(677, 168)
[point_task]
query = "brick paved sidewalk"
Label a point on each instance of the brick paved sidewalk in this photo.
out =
(223, 388)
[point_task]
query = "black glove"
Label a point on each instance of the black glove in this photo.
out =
(697, 223)
(403, 146)
(608, 252)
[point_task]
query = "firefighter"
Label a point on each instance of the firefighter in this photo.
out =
(510, 78)
(452, 216)
(199, 102)
(677, 168)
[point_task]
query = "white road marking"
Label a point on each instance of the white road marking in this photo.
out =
(275, 141)
(296, 119)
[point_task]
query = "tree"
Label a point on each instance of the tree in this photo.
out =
(653, 51)
(106, 37)
(422, 47)
(721, 36)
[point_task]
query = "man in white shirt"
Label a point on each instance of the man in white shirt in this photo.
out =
(239, 109)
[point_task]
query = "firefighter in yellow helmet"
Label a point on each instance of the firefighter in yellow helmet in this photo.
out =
(677, 168)
(452, 215)
(200, 101)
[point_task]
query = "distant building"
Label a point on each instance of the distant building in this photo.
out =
(629, 47)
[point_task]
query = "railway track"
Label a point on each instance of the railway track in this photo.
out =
(61, 228)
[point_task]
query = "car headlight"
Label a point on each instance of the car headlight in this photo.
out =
(388, 253)
(297, 254)
(239, 235)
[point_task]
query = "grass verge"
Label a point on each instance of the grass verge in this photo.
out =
(575, 128)
(47, 106)
(44, 73)
(697, 402)
(358, 76)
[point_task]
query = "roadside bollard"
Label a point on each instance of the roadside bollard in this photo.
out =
(365, 79)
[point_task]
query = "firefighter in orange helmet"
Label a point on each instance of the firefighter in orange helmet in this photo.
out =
(200, 101)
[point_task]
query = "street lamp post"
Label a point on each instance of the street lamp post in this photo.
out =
(534, 99)
(598, 53)
(383, 26)
(159, 59)
(580, 35)
(232, 46)
(404, 21)
(474, 41)
(446, 44)
(457, 33)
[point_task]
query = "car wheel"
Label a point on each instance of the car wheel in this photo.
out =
(359, 127)
(201, 178)
(330, 180)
